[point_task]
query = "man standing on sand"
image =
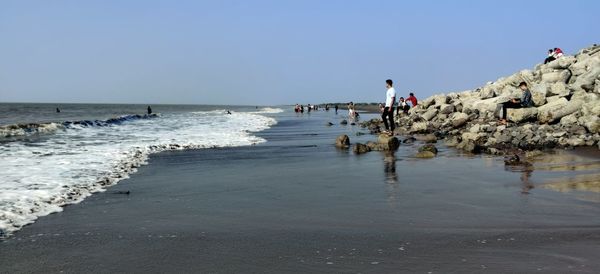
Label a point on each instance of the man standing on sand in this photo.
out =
(388, 109)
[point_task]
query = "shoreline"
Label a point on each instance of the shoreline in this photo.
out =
(324, 210)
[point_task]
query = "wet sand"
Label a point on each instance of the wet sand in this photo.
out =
(297, 204)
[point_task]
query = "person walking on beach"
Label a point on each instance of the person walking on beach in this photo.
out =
(388, 109)
(524, 102)
(412, 99)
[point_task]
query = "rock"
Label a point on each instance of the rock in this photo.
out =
(452, 141)
(487, 92)
(360, 148)
(475, 128)
(446, 109)
(458, 119)
(562, 63)
(557, 76)
(538, 94)
(374, 146)
(519, 115)
(409, 140)
(515, 160)
(570, 119)
(428, 147)
(388, 142)
(586, 80)
(342, 141)
(552, 112)
(427, 138)
(353, 124)
(591, 123)
(329, 124)
(343, 122)
(430, 114)
(558, 88)
(419, 127)
(469, 136)
(425, 154)
(360, 133)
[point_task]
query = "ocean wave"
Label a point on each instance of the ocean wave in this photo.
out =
(86, 158)
(268, 110)
(18, 130)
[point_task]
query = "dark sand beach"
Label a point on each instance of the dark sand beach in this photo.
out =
(296, 204)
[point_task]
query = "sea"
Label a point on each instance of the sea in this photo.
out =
(52, 155)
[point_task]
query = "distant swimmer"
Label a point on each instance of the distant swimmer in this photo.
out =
(57, 110)
(149, 110)
(228, 112)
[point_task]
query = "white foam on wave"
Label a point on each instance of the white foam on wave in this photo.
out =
(268, 110)
(26, 129)
(37, 179)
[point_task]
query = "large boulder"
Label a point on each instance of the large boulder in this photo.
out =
(584, 64)
(487, 92)
(538, 94)
(458, 119)
(518, 115)
(446, 108)
(342, 141)
(556, 76)
(591, 123)
(559, 88)
(554, 111)
(562, 63)
(587, 80)
(430, 114)
(388, 142)
(419, 127)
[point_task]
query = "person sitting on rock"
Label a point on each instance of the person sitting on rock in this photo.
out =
(402, 106)
(412, 99)
(524, 102)
(557, 53)
(550, 57)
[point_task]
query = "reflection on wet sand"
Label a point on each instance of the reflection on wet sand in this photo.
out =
(526, 171)
(562, 160)
(584, 182)
(577, 166)
(391, 177)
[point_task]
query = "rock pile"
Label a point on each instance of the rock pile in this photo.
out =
(566, 111)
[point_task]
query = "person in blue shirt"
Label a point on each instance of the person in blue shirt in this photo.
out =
(523, 102)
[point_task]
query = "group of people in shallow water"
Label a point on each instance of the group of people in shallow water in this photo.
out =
(300, 108)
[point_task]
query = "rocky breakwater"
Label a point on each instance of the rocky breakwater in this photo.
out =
(566, 111)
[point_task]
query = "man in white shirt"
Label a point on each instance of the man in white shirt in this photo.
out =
(388, 110)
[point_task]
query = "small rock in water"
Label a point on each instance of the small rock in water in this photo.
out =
(360, 148)
(342, 141)
(425, 154)
(429, 147)
(343, 122)
(329, 124)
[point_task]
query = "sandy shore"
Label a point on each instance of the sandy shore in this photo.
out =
(297, 204)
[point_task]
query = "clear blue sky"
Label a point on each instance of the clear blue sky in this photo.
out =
(274, 52)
